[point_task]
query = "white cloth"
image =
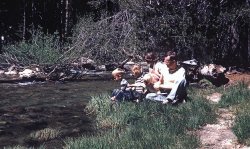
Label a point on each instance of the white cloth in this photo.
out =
(173, 77)
(159, 67)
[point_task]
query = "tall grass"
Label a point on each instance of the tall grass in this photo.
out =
(144, 125)
(238, 97)
(242, 124)
(235, 95)
(41, 48)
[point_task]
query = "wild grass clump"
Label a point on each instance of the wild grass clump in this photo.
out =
(41, 48)
(144, 125)
(235, 95)
(237, 98)
(45, 134)
(242, 127)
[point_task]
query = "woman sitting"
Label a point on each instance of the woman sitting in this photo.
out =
(155, 66)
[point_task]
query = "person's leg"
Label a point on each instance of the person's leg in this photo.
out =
(155, 97)
(128, 95)
(138, 96)
(117, 95)
(178, 90)
(115, 92)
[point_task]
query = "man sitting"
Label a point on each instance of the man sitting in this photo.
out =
(172, 82)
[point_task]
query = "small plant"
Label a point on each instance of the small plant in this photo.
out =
(45, 134)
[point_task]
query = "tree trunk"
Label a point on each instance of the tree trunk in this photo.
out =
(248, 45)
(32, 16)
(244, 51)
(62, 20)
(24, 20)
(66, 18)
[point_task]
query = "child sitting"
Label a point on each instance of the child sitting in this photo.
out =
(129, 92)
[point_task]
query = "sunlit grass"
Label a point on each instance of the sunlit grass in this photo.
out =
(237, 98)
(235, 95)
(145, 125)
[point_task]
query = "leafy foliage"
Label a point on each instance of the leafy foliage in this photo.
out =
(109, 39)
(210, 31)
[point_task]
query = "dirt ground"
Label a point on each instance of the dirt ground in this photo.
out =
(220, 135)
(236, 77)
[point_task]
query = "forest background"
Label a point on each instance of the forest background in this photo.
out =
(61, 31)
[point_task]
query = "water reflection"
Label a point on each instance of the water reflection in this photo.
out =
(52, 93)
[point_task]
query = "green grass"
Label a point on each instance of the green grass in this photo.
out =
(235, 95)
(145, 125)
(41, 48)
(237, 98)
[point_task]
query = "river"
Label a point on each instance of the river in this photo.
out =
(25, 109)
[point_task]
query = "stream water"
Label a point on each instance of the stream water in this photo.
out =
(25, 109)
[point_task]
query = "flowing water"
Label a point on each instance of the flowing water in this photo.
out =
(25, 109)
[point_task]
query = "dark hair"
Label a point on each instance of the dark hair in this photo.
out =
(172, 55)
(151, 56)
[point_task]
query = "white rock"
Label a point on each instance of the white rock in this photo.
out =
(27, 73)
(12, 72)
(192, 62)
(1, 72)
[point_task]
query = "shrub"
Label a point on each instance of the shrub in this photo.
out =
(41, 48)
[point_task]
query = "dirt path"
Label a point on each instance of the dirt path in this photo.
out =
(219, 135)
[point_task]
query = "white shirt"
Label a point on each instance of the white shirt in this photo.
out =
(170, 78)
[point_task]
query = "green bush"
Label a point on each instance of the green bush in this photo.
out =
(209, 31)
(40, 49)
